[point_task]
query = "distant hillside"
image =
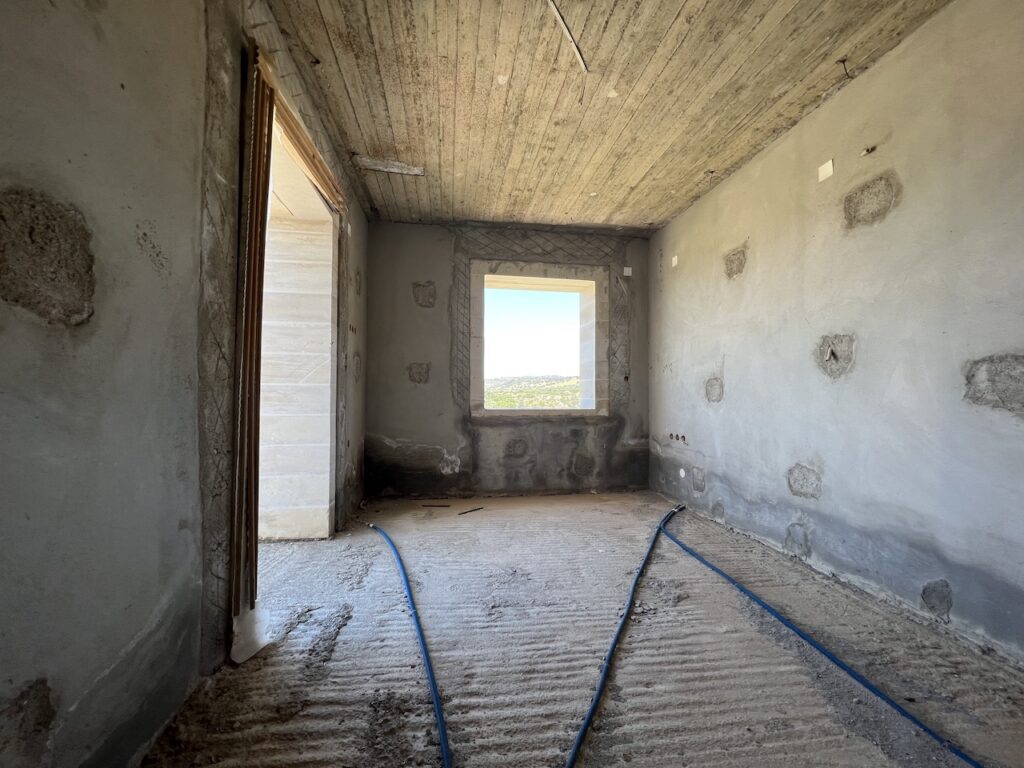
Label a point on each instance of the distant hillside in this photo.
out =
(532, 392)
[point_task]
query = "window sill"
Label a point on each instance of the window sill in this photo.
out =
(503, 416)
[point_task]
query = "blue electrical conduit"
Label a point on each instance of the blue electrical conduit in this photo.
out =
(442, 729)
(871, 687)
(609, 656)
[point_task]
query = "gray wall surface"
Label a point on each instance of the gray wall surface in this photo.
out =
(420, 436)
(837, 367)
(100, 167)
(351, 363)
(118, 213)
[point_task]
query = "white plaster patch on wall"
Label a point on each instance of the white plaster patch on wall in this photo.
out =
(450, 463)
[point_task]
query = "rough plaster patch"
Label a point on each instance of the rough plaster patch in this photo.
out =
(46, 265)
(834, 354)
(997, 381)
(871, 202)
(419, 373)
(697, 481)
(25, 723)
(937, 598)
(714, 389)
(804, 481)
(583, 464)
(735, 262)
(149, 248)
(516, 448)
(798, 539)
(424, 294)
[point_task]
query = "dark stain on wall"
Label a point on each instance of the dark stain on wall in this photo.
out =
(835, 354)
(46, 265)
(149, 248)
(697, 480)
(735, 262)
(424, 294)
(871, 201)
(937, 599)
(583, 464)
(26, 720)
(996, 381)
(566, 453)
(516, 448)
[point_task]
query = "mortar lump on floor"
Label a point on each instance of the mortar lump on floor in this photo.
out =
(519, 603)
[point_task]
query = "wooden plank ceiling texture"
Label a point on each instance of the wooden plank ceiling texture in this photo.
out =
(489, 98)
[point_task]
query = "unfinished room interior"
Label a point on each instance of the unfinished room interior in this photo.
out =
(512, 383)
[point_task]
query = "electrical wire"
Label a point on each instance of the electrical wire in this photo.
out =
(435, 695)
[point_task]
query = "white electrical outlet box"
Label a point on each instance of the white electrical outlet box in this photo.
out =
(675, 260)
(627, 271)
(825, 170)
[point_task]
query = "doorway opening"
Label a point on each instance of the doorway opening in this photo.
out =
(297, 356)
(286, 344)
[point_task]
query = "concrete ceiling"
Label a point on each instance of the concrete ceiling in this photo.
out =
(487, 96)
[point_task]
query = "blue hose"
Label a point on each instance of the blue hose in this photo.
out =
(442, 729)
(945, 743)
(602, 679)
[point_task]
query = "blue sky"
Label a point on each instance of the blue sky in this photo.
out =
(531, 333)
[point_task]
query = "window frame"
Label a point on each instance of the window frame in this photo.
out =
(598, 275)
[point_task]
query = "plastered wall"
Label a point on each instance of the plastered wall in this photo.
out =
(351, 407)
(421, 438)
(100, 168)
(118, 218)
(836, 366)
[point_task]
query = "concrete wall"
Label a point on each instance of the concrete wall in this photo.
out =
(100, 562)
(351, 407)
(421, 438)
(118, 214)
(812, 351)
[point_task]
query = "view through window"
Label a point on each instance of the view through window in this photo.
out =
(539, 343)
